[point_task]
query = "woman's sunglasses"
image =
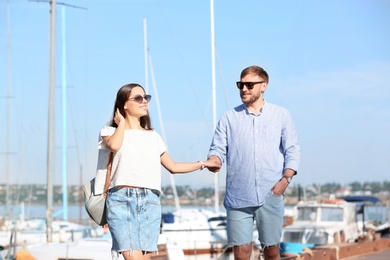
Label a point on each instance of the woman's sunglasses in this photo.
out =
(140, 99)
(249, 85)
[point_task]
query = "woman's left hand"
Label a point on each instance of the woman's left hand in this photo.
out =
(118, 117)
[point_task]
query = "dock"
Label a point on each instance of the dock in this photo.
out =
(377, 249)
(381, 255)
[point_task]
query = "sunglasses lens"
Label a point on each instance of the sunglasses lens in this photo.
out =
(139, 99)
(249, 85)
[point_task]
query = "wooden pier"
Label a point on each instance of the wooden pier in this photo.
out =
(377, 249)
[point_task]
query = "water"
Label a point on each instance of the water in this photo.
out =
(75, 212)
(379, 214)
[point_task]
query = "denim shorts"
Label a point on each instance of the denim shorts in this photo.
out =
(134, 217)
(269, 223)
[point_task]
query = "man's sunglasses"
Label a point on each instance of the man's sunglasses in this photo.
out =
(249, 85)
(140, 99)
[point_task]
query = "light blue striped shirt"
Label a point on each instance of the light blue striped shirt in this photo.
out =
(257, 149)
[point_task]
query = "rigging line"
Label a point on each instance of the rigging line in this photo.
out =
(146, 56)
(186, 73)
(172, 179)
(222, 79)
(73, 106)
(65, 93)
(72, 119)
(60, 3)
(85, 84)
(21, 170)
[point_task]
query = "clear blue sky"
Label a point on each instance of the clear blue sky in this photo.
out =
(328, 61)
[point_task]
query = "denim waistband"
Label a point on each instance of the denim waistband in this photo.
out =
(134, 189)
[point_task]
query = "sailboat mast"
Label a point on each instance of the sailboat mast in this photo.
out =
(64, 120)
(50, 135)
(148, 60)
(214, 94)
(8, 167)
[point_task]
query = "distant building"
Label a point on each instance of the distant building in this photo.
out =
(343, 192)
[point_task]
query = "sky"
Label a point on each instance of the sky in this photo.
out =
(328, 62)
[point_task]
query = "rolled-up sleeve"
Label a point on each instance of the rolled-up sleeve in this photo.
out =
(290, 144)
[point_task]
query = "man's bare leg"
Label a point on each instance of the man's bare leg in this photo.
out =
(242, 252)
(271, 252)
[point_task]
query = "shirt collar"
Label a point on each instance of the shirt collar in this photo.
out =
(244, 107)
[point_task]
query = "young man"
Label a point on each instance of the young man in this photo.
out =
(259, 144)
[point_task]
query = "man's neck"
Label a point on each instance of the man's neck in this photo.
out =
(256, 106)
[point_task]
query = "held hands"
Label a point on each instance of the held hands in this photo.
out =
(213, 163)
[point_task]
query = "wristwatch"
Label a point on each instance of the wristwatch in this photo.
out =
(289, 179)
(202, 166)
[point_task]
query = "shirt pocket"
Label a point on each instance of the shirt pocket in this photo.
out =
(271, 133)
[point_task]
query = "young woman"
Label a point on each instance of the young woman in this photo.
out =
(133, 201)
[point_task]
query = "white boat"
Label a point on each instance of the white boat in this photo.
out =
(91, 249)
(383, 230)
(33, 231)
(321, 223)
(196, 231)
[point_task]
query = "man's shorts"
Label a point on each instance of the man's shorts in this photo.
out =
(268, 218)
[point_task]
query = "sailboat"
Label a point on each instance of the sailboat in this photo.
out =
(96, 249)
(15, 232)
(196, 231)
(58, 239)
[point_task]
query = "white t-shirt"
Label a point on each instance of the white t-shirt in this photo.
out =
(137, 163)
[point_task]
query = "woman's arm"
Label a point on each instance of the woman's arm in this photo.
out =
(184, 167)
(114, 142)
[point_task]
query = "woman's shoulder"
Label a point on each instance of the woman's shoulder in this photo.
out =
(107, 130)
(152, 132)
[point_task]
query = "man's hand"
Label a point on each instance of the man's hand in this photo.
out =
(280, 187)
(213, 163)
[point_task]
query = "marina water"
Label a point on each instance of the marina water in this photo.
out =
(379, 214)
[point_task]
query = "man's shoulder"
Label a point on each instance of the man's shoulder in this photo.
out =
(233, 112)
(274, 107)
(238, 109)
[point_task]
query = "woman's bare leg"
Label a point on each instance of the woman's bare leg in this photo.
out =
(136, 255)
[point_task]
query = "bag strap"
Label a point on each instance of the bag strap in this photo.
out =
(108, 174)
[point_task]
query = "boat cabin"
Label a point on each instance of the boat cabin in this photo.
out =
(320, 223)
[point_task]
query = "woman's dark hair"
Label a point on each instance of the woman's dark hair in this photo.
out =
(121, 98)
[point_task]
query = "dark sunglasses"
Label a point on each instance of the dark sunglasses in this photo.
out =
(249, 85)
(140, 99)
